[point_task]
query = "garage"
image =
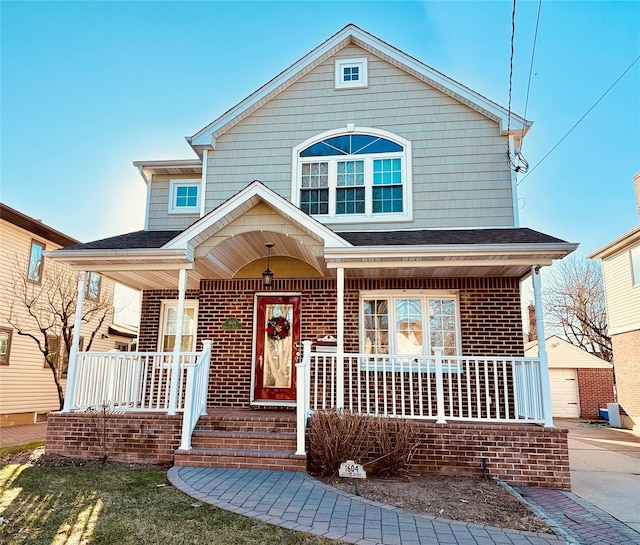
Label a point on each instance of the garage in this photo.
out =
(565, 401)
(580, 382)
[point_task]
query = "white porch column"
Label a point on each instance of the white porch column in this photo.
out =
(340, 341)
(542, 350)
(73, 354)
(175, 367)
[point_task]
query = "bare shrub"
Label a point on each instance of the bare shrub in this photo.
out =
(336, 436)
(99, 418)
(397, 442)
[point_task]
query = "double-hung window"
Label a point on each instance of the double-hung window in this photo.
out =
(92, 290)
(410, 323)
(354, 177)
(169, 326)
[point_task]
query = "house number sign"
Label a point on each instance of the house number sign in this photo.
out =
(231, 323)
(352, 470)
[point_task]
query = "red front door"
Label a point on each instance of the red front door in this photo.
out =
(277, 335)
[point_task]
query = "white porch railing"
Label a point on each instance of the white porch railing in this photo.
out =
(136, 381)
(195, 403)
(497, 389)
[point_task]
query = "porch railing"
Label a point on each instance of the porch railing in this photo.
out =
(195, 403)
(134, 381)
(498, 389)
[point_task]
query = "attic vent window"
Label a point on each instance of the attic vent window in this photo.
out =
(351, 73)
(184, 196)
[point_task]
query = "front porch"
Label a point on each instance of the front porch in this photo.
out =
(473, 414)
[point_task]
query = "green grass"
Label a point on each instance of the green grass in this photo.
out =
(109, 506)
(20, 448)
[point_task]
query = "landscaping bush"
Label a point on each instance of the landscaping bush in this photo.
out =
(385, 445)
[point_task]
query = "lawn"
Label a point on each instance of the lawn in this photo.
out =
(43, 505)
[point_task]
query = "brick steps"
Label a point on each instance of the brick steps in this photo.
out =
(241, 459)
(245, 439)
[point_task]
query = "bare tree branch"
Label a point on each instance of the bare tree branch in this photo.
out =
(574, 305)
(46, 310)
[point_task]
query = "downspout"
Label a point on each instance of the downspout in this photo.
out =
(73, 354)
(514, 187)
(148, 182)
(542, 350)
(203, 184)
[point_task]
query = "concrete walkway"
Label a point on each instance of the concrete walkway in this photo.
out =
(299, 502)
(605, 468)
(21, 435)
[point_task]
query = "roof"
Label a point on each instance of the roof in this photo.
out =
(351, 34)
(435, 237)
(426, 237)
(563, 354)
(129, 241)
(617, 245)
(34, 226)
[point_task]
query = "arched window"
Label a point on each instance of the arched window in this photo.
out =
(350, 176)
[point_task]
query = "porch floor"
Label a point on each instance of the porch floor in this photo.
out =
(299, 502)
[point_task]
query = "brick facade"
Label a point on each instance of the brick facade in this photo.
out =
(596, 390)
(491, 322)
(626, 354)
(523, 455)
(130, 437)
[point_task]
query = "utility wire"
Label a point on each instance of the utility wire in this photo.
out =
(580, 120)
(513, 33)
(533, 52)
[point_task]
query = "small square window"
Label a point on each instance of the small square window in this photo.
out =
(36, 262)
(184, 197)
(351, 73)
(5, 345)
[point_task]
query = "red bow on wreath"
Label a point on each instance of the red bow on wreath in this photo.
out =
(278, 328)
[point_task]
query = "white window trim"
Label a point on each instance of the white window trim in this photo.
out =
(341, 64)
(173, 188)
(635, 270)
(167, 304)
(380, 217)
(409, 363)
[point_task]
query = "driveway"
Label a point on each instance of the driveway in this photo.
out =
(605, 468)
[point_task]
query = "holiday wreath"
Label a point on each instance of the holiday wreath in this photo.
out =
(278, 328)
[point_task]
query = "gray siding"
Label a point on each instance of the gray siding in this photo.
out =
(460, 175)
(159, 217)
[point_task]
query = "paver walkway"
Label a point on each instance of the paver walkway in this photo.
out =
(578, 520)
(297, 501)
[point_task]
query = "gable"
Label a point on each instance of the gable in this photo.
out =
(206, 138)
(564, 355)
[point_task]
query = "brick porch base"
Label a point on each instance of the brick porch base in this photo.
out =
(524, 455)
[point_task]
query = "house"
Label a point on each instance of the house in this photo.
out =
(580, 382)
(621, 275)
(27, 388)
(359, 195)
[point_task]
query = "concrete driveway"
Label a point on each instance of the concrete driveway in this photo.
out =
(605, 468)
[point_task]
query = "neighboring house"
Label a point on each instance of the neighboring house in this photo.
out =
(27, 389)
(581, 383)
(362, 195)
(621, 274)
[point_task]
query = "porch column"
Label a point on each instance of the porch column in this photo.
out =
(73, 354)
(340, 341)
(542, 350)
(175, 368)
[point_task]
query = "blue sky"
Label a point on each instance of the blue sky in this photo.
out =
(90, 87)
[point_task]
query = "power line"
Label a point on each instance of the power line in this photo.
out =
(580, 120)
(533, 52)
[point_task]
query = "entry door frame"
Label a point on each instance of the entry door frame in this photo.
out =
(254, 348)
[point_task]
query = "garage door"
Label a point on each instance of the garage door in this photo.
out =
(564, 393)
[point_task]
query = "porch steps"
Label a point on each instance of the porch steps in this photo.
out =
(244, 439)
